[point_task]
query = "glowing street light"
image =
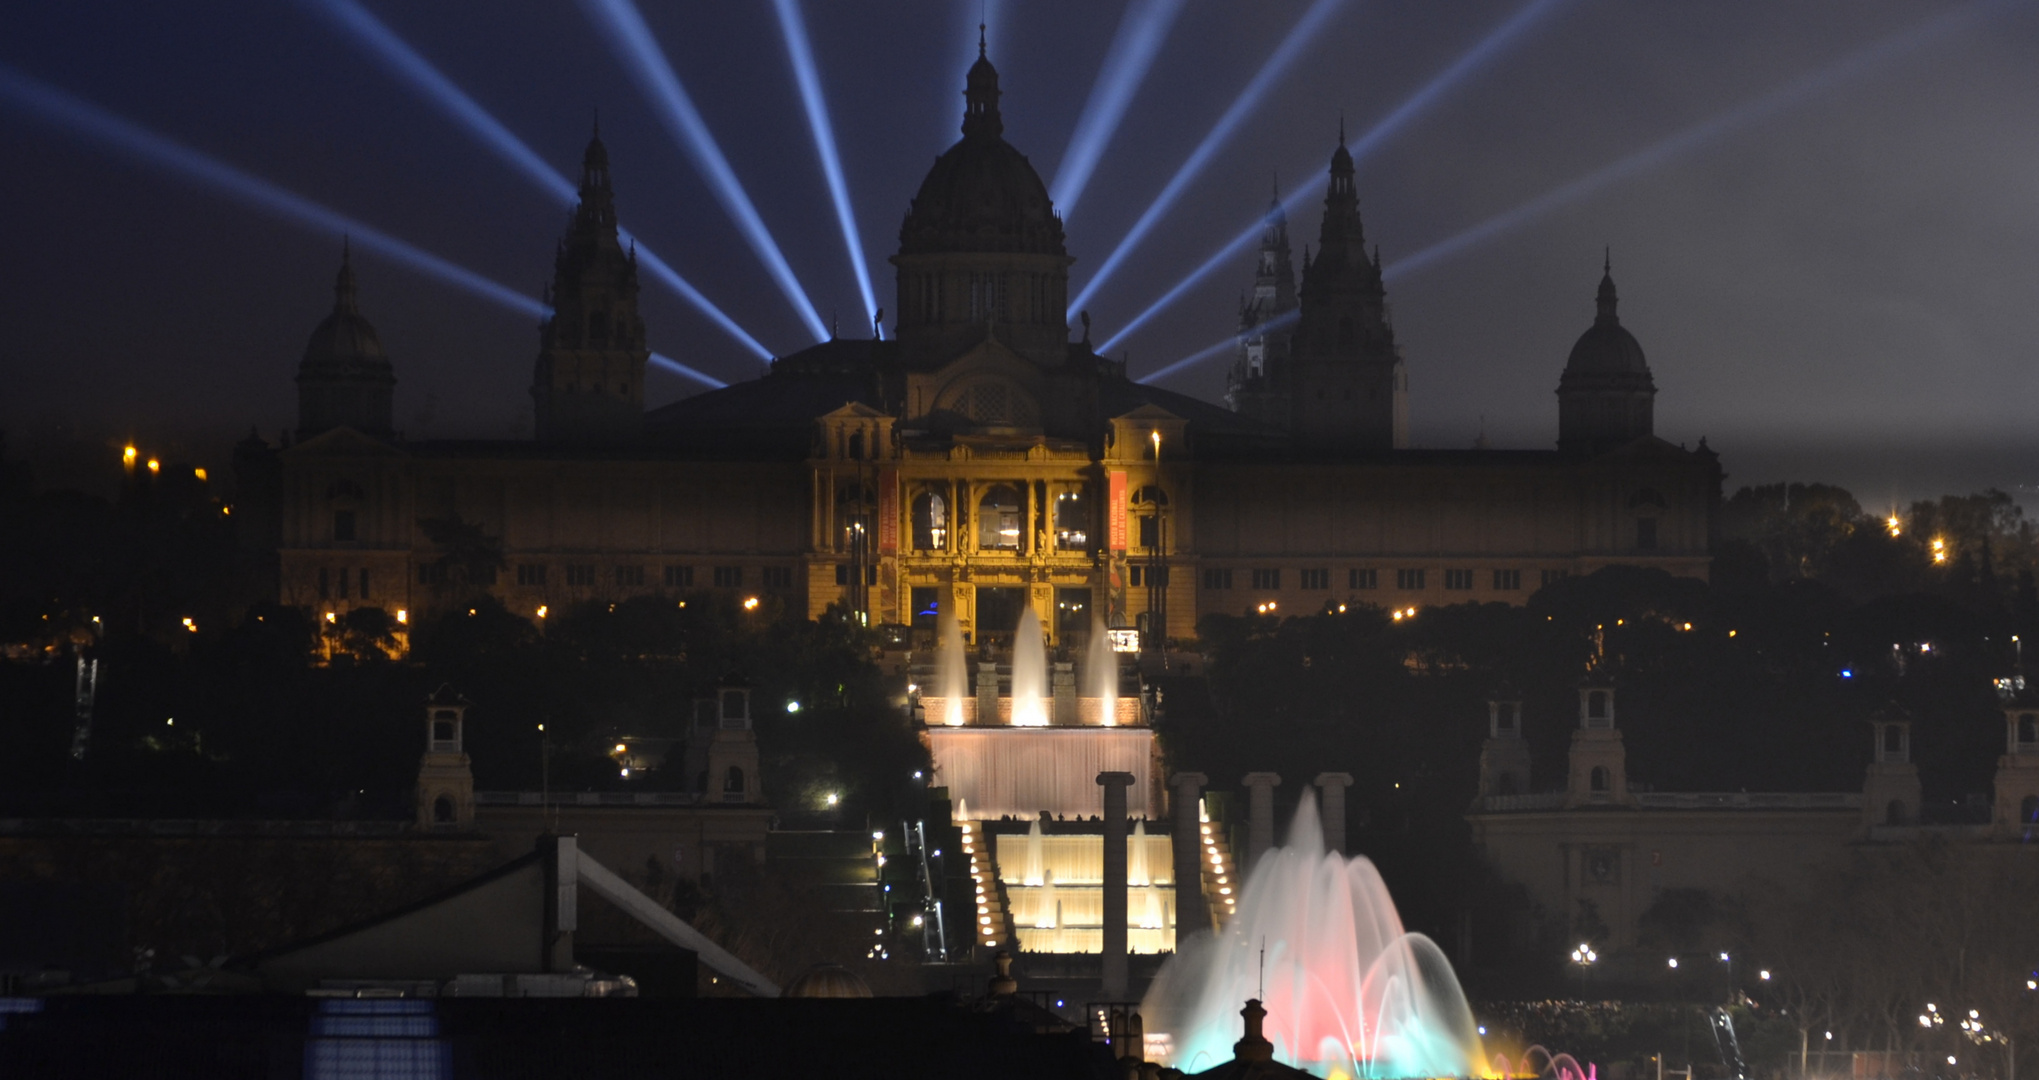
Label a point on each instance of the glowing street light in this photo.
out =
(1584, 954)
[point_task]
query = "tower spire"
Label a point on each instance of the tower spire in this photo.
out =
(345, 299)
(1604, 303)
(980, 96)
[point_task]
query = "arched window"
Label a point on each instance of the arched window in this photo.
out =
(442, 810)
(1598, 778)
(999, 519)
(1893, 739)
(930, 522)
(1598, 705)
(732, 784)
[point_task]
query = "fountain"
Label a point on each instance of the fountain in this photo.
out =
(1049, 915)
(950, 669)
(1347, 990)
(1136, 857)
(1029, 672)
(1101, 671)
(1034, 865)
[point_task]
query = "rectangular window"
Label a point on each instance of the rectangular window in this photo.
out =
(1646, 534)
(1507, 580)
(729, 577)
(325, 585)
(1267, 579)
(580, 574)
(1551, 577)
(343, 583)
(530, 573)
(1363, 579)
(1458, 579)
(1316, 579)
(778, 577)
(629, 577)
(1150, 531)
(1408, 579)
(1072, 522)
(361, 579)
(343, 524)
(1217, 579)
(679, 577)
(432, 573)
(1150, 576)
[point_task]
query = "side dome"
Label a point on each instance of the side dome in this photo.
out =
(982, 195)
(1607, 348)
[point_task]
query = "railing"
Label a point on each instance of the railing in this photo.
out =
(1749, 800)
(592, 798)
(1504, 803)
(197, 827)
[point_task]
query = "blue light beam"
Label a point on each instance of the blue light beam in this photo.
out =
(409, 65)
(1209, 266)
(1796, 92)
(809, 75)
(678, 368)
(1279, 321)
(624, 26)
(1299, 38)
(1431, 92)
(1142, 29)
(74, 115)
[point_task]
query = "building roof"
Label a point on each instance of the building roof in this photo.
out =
(1606, 351)
(982, 194)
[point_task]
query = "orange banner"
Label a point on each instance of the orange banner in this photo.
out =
(888, 511)
(1115, 523)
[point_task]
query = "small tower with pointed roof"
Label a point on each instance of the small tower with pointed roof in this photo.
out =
(1349, 389)
(445, 775)
(589, 381)
(2017, 778)
(1258, 374)
(1606, 398)
(1597, 774)
(1504, 757)
(345, 378)
(1890, 788)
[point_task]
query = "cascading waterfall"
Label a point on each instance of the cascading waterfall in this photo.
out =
(1347, 989)
(952, 676)
(1049, 915)
(1136, 857)
(1029, 672)
(1101, 673)
(1035, 864)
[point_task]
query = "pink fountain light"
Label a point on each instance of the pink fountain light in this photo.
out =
(1347, 990)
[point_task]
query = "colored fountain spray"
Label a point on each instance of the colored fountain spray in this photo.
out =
(1346, 987)
(1029, 672)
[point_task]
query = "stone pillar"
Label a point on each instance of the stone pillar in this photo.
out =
(1332, 785)
(1189, 855)
(1115, 975)
(987, 691)
(1259, 817)
(1064, 683)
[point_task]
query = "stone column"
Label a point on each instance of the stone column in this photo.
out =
(1115, 975)
(1064, 682)
(1189, 855)
(987, 691)
(1259, 817)
(1331, 802)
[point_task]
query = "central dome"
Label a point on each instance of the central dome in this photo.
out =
(982, 195)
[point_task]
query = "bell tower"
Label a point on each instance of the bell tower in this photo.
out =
(1260, 374)
(1349, 389)
(1504, 757)
(1598, 773)
(1890, 791)
(445, 776)
(589, 382)
(2017, 779)
(729, 748)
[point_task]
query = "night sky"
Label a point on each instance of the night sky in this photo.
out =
(1834, 272)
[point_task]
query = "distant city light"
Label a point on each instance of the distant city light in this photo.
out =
(750, 603)
(127, 456)
(200, 474)
(1847, 673)
(1674, 962)
(543, 610)
(792, 706)
(620, 748)
(1584, 954)
(155, 466)
(832, 798)
(1893, 525)
(191, 626)
(1763, 975)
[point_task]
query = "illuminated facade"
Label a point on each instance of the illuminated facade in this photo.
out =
(980, 462)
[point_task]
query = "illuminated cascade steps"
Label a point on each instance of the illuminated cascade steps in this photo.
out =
(1056, 888)
(988, 914)
(1222, 882)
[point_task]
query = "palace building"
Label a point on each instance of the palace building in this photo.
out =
(974, 461)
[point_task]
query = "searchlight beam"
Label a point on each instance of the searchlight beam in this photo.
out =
(624, 27)
(794, 27)
(1280, 321)
(72, 114)
(1299, 37)
(1142, 29)
(408, 64)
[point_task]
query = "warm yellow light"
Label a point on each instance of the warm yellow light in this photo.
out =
(191, 626)
(1731, 633)
(1894, 525)
(403, 615)
(155, 466)
(621, 748)
(750, 603)
(330, 617)
(1224, 892)
(127, 456)
(541, 610)
(1341, 609)
(200, 473)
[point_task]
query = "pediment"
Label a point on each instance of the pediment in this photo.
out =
(853, 410)
(343, 442)
(990, 387)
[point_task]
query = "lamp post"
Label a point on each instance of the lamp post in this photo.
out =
(1584, 957)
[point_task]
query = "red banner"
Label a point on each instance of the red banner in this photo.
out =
(888, 511)
(1115, 520)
